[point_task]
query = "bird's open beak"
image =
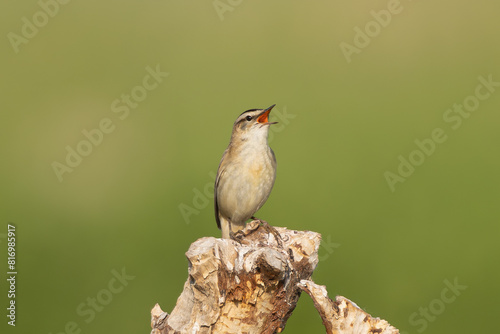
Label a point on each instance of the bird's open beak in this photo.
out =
(263, 118)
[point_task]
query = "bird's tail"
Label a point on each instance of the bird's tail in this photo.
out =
(225, 226)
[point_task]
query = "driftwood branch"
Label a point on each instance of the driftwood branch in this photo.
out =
(342, 316)
(253, 286)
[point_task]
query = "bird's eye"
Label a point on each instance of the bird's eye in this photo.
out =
(249, 118)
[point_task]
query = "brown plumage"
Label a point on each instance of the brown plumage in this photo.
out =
(246, 172)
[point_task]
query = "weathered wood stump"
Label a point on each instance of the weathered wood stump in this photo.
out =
(342, 316)
(251, 286)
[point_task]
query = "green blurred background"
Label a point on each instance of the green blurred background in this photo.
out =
(342, 126)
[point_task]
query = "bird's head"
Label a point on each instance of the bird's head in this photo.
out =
(252, 124)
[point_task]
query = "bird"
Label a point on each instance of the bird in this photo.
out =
(246, 172)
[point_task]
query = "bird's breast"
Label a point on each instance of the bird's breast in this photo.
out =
(247, 183)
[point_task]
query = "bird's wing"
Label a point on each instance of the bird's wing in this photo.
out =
(220, 173)
(273, 157)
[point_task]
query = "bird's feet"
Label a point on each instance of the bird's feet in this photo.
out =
(237, 236)
(271, 230)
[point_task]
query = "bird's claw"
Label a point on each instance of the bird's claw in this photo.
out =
(237, 236)
(271, 230)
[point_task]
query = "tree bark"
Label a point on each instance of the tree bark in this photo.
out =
(250, 286)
